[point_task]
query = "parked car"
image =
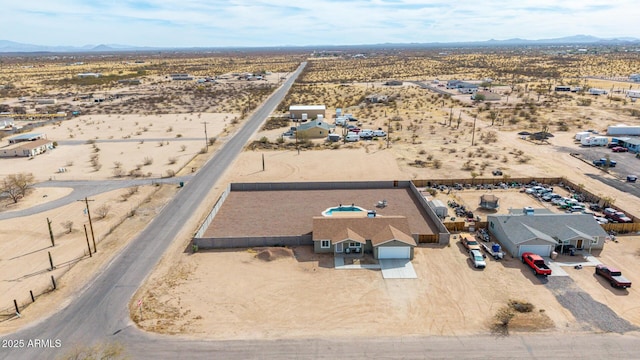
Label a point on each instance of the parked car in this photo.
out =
(550, 196)
(497, 173)
(352, 137)
(477, 259)
(619, 149)
(536, 263)
(379, 133)
(470, 244)
(613, 275)
(601, 220)
(612, 145)
(288, 133)
(604, 162)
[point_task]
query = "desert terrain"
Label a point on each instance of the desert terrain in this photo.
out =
(237, 295)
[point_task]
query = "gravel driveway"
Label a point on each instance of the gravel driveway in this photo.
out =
(584, 308)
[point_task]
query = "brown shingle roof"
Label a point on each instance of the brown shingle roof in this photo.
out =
(382, 228)
(390, 233)
(347, 234)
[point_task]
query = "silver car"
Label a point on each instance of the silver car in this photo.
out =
(477, 259)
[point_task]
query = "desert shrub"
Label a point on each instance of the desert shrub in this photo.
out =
(212, 140)
(67, 225)
(172, 160)
(183, 147)
(583, 102)
(102, 211)
(437, 164)
(147, 161)
(521, 306)
(170, 173)
(118, 172)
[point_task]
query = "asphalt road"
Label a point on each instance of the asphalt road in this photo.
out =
(99, 312)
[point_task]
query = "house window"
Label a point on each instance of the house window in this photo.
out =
(325, 244)
(355, 245)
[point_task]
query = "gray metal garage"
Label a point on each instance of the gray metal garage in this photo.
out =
(542, 250)
(541, 233)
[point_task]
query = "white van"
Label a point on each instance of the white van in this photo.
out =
(352, 137)
(341, 120)
(379, 133)
(366, 134)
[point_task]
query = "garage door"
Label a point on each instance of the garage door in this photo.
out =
(542, 250)
(394, 252)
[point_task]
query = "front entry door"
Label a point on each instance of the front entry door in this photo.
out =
(339, 247)
(579, 244)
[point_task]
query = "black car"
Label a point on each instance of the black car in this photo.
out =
(565, 249)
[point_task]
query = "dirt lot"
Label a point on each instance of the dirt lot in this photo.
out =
(252, 299)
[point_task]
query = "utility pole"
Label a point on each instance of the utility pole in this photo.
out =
(473, 132)
(86, 201)
(206, 140)
(87, 236)
(53, 243)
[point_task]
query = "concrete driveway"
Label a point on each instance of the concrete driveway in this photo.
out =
(397, 269)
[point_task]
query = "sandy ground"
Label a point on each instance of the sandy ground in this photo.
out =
(127, 139)
(256, 301)
(24, 263)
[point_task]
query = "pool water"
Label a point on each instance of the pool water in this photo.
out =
(342, 209)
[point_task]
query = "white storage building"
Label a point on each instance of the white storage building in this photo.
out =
(623, 130)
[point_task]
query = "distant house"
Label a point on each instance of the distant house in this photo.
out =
(314, 129)
(27, 137)
(633, 144)
(388, 237)
(181, 77)
(634, 77)
(376, 98)
(6, 123)
(393, 83)
(46, 101)
(27, 149)
(89, 75)
(311, 111)
(541, 233)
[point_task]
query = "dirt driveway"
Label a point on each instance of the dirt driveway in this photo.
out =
(235, 295)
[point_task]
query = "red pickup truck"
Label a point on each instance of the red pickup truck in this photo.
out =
(536, 262)
(613, 275)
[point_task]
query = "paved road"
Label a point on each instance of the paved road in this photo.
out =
(87, 188)
(100, 310)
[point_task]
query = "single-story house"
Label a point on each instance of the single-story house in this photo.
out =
(541, 233)
(376, 98)
(27, 149)
(387, 237)
(312, 111)
(27, 137)
(633, 144)
(6, 123)
(315, 129)
(394, 83)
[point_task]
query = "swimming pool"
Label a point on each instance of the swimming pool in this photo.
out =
(343, 210)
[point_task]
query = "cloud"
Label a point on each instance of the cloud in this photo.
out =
(307, 22)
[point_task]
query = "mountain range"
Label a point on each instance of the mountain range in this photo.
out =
(7, 46)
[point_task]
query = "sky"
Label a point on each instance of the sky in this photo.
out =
(223, 23)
